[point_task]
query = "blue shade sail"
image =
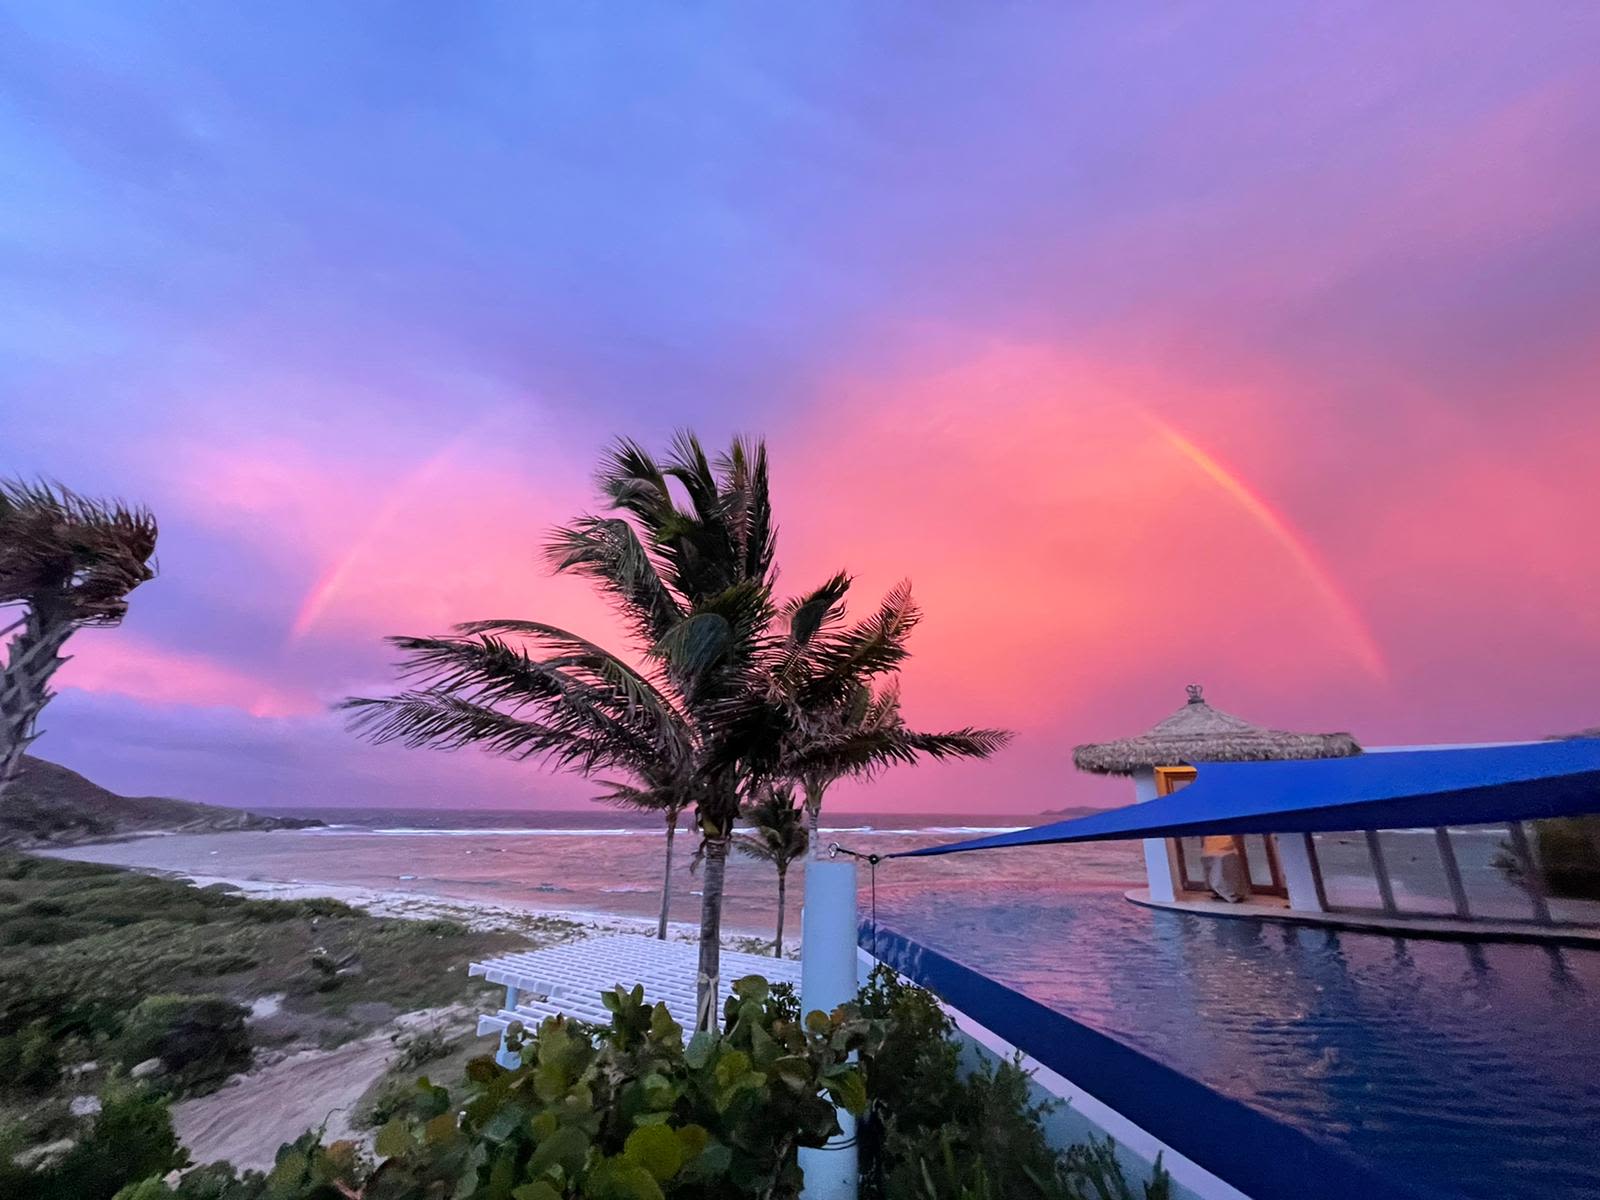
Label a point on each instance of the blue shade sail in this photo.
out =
(1392, 789)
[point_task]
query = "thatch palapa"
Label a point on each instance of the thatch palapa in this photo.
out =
(1198, 733)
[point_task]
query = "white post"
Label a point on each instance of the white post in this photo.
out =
(505, 1056)
(1299, 872)
(1160, 865)
(827, 980)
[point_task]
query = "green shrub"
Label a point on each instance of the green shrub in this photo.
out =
(214, 1181)
(751, 1093)
(622, 1112)
(325, 906)
(131, 1139)
(199, 1039)
(29, 1059)
(935, 1132)
(391, 1099)
(32, 930)
(440, 927)
(424, 1046)
(628, 1112)
(1569, 849)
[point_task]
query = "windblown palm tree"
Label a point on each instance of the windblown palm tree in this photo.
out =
(693, 584)
(67, 561)
(721, 695)
(777, 835)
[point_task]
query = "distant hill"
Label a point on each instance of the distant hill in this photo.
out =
(50, 805)
(1079, 810)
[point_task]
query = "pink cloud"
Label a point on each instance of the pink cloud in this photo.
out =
(379, 547)
(118, 662)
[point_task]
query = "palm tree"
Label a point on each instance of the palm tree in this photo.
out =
(657, 792)
(69, 562)
(827, 705)
(722, 694)
(777, 835)
(693, 584)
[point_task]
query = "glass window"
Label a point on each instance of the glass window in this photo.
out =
(1416, 872)
(1193, 871)
(1256, 856)
(1494, 880)
(1348, 878)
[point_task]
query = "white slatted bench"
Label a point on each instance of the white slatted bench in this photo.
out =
(569, 979)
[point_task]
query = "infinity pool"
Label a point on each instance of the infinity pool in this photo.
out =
(1470, 1069)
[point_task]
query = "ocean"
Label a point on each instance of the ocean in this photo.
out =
(598, 861)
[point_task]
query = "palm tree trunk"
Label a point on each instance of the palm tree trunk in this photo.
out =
(716, 864)
(814, 789)
(783, 887)
(31, 659)
(666, 878)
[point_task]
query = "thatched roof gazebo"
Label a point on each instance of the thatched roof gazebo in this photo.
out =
(1198, 733)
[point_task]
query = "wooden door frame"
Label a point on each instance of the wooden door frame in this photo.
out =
(1168, 781)
(1172, 779)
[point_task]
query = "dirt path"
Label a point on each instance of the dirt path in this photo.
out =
(247, 1120)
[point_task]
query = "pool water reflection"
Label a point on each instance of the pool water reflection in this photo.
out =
(1470, 1068)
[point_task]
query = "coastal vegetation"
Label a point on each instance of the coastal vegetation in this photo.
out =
(1569, 855)
(107, 974)
(68, 562)
(629, 1111)
(777, 834)
(723, 687)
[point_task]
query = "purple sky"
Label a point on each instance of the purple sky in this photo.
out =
(1253, 344)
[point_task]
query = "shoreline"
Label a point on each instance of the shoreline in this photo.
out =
(481, 916)
(478, 916)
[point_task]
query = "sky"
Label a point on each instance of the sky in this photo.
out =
(1248, 344)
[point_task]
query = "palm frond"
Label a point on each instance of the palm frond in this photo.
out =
(608, 551)
(445, 722)
(583, 661)
(960, 743)
(688, 464)
(663, 798)
(489, 673)
(630, 478)
(777, 830)
(695, 644)
(864, 651)
(77, 555)
(747, 505)
(818, 610)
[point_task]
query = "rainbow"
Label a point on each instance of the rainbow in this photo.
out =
(1362, 643)
(332, 581)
